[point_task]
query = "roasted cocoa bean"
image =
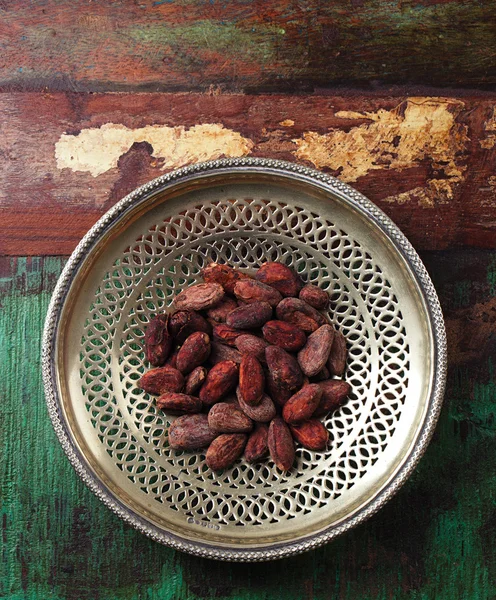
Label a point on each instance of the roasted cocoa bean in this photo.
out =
(250, 290)
(311, 434)
(338, 355)
(221, 379)
(185, 322)
(334, 393)
(301, 314)
(279, 394)
(284, 368)
(179, 403)
(313, 295)
(190, 432)
(195, 380)
(314, 355)
(224, 417)
(285, 335)
(199, 297)
(279, 276)
(158, 342)
(257, 445)
(302, 405)
(263, 412)
(225, 450)
(224, 275)
(194, 352)
(251, 380)
(249, 316)
(161, 380)
(281, 445)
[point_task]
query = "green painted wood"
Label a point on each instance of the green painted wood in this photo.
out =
(434, 540)
(245, 45)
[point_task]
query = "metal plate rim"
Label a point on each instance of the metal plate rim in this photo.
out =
(290, 170)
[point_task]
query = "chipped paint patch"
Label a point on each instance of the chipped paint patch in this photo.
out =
(98, 150)
(490, 126)
(417, 130)
(438, 191)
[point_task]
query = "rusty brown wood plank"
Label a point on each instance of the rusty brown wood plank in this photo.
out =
(172, 45)
(429, 162)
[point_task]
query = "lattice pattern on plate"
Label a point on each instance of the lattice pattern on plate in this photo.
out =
(244, 232)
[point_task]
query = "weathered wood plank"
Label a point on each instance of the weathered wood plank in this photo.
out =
(171, 45)
(435, 539)
(429, 162)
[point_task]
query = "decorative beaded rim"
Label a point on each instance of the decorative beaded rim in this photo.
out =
(253, 165)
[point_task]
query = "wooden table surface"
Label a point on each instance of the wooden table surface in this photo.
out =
(397, 98)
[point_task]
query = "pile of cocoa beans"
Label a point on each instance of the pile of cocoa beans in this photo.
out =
(251, 364)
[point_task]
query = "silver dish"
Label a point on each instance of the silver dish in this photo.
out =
(243, 211)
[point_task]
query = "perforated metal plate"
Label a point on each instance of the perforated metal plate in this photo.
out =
(243, 212)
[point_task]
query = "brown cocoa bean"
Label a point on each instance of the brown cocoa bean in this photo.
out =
(250, 290)
(301, 314)
(278, 393)
(285, 335)
(225, 450)
(190, 432)
(161, 380)
(281, 445)
(251, 380)
(194, 352)
(183, 323)
(334, 393)
(338, 355)
(302, 405)
(249, 316)
(226, 335)
(199, 297)
(158, 342)
(279, 276)
(313, 295)
(220, 352)
(195, 380)
(179, 403)
(224, 275)
(263, 412)
(221, 379)
(228, 418)
(257, 444)
(219, 312)
(314, 355)
(312, 434)
(251, 344)
(284, 368)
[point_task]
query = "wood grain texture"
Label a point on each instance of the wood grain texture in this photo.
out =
(428, 162)
(434, 540)
(245, 45)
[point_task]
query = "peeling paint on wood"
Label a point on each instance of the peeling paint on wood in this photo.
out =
(419, 159)
(417, 130)
(98, 149)
(490, 126)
